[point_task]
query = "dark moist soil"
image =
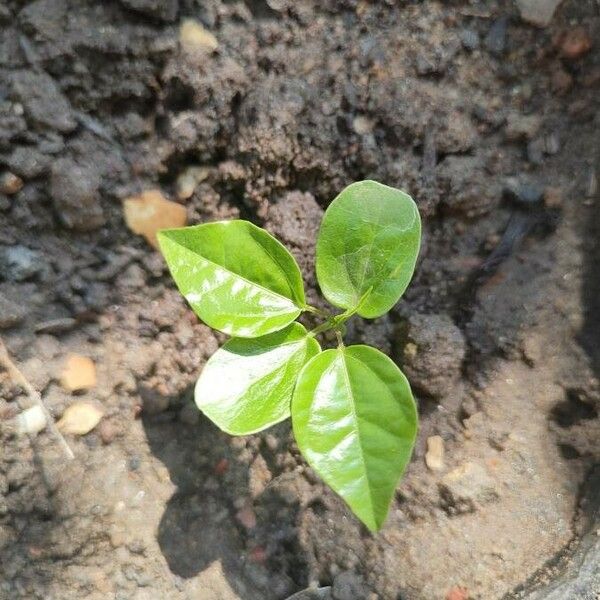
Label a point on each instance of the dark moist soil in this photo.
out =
(490, 123)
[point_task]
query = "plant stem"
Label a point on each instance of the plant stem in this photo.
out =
(326, 326)
(333, 322)
(316, 311)
(19, 378)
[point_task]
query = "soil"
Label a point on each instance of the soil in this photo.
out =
(490, 123)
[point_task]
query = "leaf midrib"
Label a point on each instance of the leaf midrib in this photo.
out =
(356, 419)
(283, 270)
(248, 281)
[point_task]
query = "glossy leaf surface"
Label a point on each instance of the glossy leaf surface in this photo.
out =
(247, 384)
(367, 247)
(236, 277)
(355, 422)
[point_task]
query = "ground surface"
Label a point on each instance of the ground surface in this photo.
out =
(490, 123)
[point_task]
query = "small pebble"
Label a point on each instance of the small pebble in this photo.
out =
(10, 183)
(246, 517)
(362, 125)
(107, 432)
(189, 179)
(434, 457)
(271, 442)
(575, 43)
(553, 197)
(538, 12)
(535, 151)
(31, 421)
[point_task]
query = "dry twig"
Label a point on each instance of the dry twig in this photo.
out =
(20, 379)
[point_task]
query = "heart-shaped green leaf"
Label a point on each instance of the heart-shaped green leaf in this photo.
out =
(367, 248)
(237, 277)
(355, 422)
(247, 385)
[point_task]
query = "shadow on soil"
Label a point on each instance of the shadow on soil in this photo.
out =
(589, 336)
(202, 523)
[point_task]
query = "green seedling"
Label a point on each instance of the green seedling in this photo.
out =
(353, 413)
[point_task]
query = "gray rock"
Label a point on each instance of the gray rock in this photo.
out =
(164, 10)
(521, 127)
(28, 162)
(349, 586)
(581, 580)
(19, 263)
(45, 105)
(578, 575)
(535, 151)
(523, 192)
(469, 39)
(495, 40)
(74, 191)
(433, 349)
(538, 12)
(11, 314)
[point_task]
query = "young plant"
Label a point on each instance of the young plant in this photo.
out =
(353, 414)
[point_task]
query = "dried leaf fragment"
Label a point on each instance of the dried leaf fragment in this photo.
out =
(79, 373)
(80, 418)
(150, 212)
